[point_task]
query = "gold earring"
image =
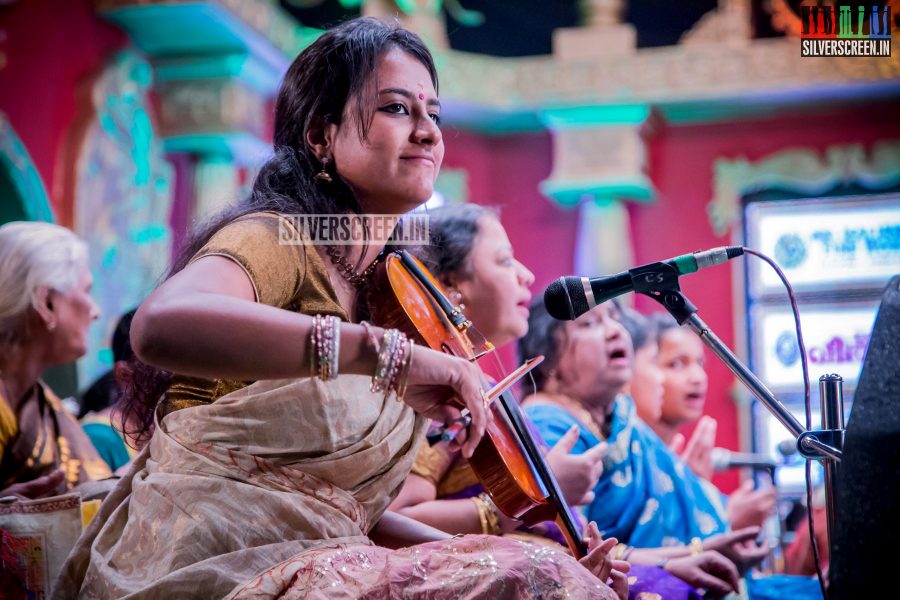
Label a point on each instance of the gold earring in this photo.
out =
(51, 325)
(324, 176)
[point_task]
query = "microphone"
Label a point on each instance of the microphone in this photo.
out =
(567, 298)
(723, 459)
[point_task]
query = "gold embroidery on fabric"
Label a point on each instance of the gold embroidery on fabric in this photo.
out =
(68, 464)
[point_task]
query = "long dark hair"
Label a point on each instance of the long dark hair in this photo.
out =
(336, 68)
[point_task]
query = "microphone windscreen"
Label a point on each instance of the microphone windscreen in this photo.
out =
(556, 301)
(565, 299)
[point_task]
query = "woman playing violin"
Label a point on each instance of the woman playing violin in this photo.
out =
(474, 259)
(260, 479)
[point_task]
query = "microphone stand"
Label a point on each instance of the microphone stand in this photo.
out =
(660, 282)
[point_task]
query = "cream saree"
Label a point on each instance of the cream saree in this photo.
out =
(271, 491)
(225, 490)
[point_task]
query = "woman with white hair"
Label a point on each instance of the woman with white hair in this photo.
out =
(45, 311)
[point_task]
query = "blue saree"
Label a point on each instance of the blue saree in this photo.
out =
(646, 497)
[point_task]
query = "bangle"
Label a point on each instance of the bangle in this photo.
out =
(393, 361)
(334, 333)
(696, 546)
(373, 341)
(487, 514)
(404, 373)
(627, 553)
(618, 551)
(661, 563)
(324, 341)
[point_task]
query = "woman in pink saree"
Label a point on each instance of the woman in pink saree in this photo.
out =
(276, 451)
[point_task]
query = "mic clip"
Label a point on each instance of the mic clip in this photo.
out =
(660, 281)
(654, 277)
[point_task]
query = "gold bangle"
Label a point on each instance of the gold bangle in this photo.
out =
(490, 520)
(404, 373)
(619, 551)
(482, 514)
(696, 546)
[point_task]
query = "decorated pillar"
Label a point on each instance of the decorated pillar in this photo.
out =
(117, 186)
(218, 65)
(599, 161)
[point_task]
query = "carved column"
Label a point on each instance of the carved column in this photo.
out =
(216, 185)
(599, 160)
(421, 16)
(603, 34)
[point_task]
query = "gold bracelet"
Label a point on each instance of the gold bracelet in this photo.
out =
(490, 520)
(696, 546)
(482, 514)
(493, 518)
(404, 372)
(619, 551)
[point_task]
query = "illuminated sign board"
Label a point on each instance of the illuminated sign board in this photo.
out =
(825, 245)
(836, 338)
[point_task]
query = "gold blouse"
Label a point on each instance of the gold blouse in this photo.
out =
(285, 275)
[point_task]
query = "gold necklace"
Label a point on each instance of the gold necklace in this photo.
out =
(576, 409)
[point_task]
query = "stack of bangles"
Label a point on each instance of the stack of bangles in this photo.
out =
(394, 355)
(487, 514)
(325, 347)
(394, 359)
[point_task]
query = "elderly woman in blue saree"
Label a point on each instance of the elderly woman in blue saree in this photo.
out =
(647, 497)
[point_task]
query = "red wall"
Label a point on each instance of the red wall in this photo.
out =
(506, 171)
(50, 46)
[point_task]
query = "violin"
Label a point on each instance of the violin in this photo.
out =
(507, 461)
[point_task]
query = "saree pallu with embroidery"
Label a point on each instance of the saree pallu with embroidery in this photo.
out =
(271, 491)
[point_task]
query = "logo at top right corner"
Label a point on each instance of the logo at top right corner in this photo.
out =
(845, 30)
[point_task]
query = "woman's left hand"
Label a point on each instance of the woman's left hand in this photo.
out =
(577, 474)
(602, 565)
(441, 385)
